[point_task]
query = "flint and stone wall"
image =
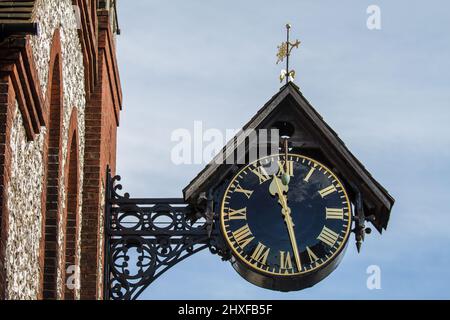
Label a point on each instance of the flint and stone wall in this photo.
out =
(22, 250)
(60, 102)
(27, 172)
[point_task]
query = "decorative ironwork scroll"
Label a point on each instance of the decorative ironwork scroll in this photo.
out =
(146, 237)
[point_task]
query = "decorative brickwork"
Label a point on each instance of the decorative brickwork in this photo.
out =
(60, 100)
(71, 216)
(49, 241)
(102, 116)
(59, 24)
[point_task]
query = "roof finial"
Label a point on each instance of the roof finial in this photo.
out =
(284, 51)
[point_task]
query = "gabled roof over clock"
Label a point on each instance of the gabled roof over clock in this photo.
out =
(290, 104)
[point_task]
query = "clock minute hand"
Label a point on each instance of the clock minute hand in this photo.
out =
(277, 189)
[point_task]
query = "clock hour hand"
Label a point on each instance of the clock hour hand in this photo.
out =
(277, 188)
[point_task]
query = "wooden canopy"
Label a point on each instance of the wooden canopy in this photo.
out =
(312, 132)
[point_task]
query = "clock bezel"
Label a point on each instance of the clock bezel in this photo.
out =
(324, 265)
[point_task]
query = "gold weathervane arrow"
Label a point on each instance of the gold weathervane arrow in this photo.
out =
(284, 51)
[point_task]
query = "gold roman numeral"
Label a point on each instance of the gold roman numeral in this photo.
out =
(262, 174)
(290, 168)
(240, 214)
(243, 236)
(261, 253)
(310, 173)
(285, 260)
(328, 190)
(334, 213)
(248, 193)
(328, 236)
(312, 256)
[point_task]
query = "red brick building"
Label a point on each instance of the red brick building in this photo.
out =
(60, 102)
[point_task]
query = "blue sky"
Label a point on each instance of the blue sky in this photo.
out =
(386, 92)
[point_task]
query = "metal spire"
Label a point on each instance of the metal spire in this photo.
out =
(284, 51)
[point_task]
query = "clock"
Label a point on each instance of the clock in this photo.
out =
(286, 219)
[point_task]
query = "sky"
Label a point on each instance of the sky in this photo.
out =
(385, 92)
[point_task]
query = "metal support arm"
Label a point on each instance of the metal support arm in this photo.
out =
(146, 237)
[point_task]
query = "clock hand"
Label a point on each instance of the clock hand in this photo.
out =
(276, 188)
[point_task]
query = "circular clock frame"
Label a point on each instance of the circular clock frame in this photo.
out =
(291, 281)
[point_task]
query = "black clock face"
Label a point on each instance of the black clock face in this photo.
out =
(284, 226)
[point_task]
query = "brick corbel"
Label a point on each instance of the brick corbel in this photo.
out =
(17, 62)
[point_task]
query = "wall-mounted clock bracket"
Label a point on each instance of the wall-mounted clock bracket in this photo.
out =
(145, 237)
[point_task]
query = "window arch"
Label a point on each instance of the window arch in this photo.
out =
(50, 208)
(71, 214)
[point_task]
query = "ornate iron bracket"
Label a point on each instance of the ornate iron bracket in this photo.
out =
(146, 237)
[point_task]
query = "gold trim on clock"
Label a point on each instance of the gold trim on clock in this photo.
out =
(316, 165)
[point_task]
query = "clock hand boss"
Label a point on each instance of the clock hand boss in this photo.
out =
(277, 188)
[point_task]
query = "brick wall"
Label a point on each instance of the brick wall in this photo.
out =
(77, 131)
(6, 115)
(52, 156)
(101, 130)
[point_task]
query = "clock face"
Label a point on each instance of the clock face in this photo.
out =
(285, 226)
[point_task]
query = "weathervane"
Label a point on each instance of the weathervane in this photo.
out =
(284, 51)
